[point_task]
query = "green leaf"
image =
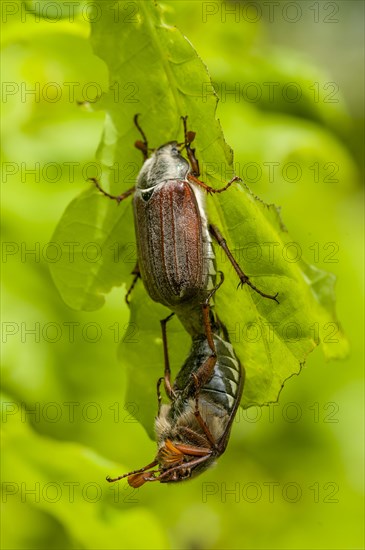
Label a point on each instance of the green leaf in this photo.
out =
(155, 71)
(72, 485)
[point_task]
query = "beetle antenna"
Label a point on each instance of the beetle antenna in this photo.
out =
(112, 479)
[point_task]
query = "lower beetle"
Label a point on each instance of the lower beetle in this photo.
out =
(193, 430)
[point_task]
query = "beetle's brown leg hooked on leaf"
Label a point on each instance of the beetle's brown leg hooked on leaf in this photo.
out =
(209, 189)
(189, 137)
(118, 198)
(137, 275)
(244, 279)
(141, 145)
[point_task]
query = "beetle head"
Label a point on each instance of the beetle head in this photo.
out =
(166, 163)
(175, 461)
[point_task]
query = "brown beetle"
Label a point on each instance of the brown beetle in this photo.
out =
(174, 248)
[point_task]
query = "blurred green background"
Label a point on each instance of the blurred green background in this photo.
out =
(292, 476)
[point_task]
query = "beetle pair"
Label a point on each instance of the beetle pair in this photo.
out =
(177, 265)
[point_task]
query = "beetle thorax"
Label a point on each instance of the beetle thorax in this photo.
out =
(165, 164)
(174, 429)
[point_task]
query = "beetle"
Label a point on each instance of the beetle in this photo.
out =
(193, 430)
(174, 239)
(176, 262)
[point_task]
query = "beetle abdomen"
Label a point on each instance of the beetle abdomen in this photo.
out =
(170, 243)
(225, 385)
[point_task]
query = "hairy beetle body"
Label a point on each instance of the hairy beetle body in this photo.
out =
(219, 398)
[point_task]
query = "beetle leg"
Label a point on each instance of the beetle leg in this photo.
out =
(188, 138)
(197, 413)
(206, 314)
(159, 397)
(196, 439)
(137, 276)
(211, 190)
(244, 279)
(141, 145)
(167, 372)
(205, 371)
(118, 198)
